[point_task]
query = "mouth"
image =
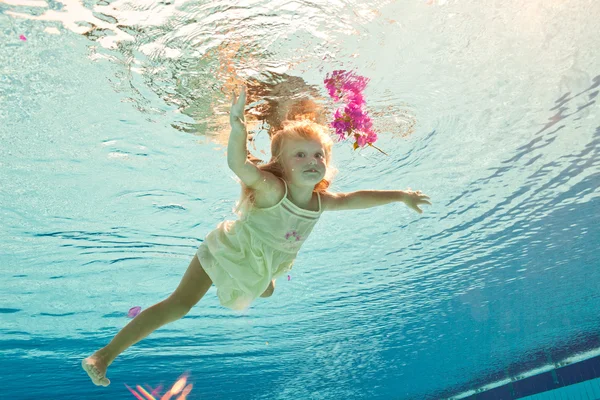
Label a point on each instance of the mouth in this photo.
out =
(311, 170)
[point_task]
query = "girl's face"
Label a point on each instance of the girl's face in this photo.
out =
(304, 161)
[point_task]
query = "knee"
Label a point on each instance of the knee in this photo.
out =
(175, 309)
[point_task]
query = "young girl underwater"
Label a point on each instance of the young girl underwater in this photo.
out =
(281, 203)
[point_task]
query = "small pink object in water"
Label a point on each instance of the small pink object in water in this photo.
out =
(156, 392)
(289, 278)
(23, 38)
(134, 311)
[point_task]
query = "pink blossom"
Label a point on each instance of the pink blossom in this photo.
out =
(352, 119)
(134, 311)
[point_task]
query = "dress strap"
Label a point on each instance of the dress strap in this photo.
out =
(285, 183)
(319, 197)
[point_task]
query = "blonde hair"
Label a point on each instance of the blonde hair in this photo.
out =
(300, 129)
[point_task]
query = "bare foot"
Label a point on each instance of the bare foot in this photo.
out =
(96, 369)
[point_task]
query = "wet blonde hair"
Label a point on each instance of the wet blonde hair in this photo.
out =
(300, 129)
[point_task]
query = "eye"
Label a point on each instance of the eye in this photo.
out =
(300, 154)
(320, 155)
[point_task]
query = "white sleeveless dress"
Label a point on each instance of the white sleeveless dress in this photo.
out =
(242, 257)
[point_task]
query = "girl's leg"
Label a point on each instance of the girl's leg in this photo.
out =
(193, 286)
(270, 289)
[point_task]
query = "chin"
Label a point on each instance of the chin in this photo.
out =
(309, 182)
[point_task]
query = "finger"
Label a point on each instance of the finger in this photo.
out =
(233, 100)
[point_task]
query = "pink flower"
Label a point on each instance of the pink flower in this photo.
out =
(134, 311)
(351, 120)
(361, 140)
(293, 234)
(342, 84)
(357, 98)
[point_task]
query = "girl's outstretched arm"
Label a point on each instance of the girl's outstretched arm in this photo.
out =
(373, 198)
(237, 151)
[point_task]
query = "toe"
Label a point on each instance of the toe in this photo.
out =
(88, 371)
(93, 373)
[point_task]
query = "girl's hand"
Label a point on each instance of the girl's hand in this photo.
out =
(236, 115)
(414, 199)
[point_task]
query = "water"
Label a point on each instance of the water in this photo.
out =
(113, 126)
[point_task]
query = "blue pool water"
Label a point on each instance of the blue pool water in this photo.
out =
(113, 131)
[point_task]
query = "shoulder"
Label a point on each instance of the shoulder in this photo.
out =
(331, 201)
(270, 191)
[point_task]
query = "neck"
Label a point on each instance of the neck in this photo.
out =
(301, 195)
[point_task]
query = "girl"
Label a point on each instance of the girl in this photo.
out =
(281, 203)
